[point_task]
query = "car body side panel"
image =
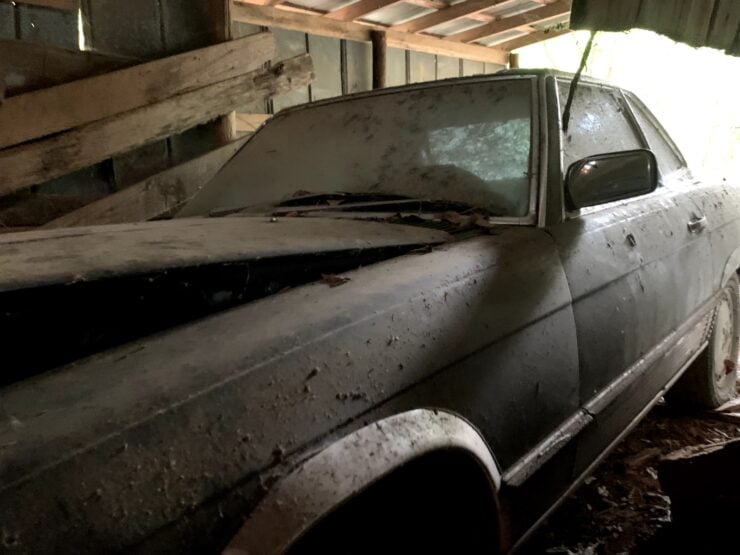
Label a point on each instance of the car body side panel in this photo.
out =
(630, 262)
(720, 205)
(119, 445)
(635, 273)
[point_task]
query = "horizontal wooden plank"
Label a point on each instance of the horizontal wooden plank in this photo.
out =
(39, 113)
(45, 159)
(274, 17)
(65, 5)
(27, 66)
(532, 17)
(154, 197)
(531, 38)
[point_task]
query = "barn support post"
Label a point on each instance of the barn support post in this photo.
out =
(380, 47)
(220, 14)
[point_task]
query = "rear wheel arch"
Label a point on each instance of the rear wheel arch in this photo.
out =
(393, 462)
(732, 267)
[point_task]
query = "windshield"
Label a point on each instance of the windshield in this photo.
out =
(464, 142)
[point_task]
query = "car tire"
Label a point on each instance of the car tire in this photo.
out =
(711, 379)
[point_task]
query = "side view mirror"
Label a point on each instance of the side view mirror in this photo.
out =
(608, 177)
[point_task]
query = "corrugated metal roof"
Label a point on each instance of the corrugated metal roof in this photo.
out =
(323, 5)
(554, 23)
(503, 37)
(396, 14)
(713, 23)
(461, 22)
(507, 10)
(452, 27)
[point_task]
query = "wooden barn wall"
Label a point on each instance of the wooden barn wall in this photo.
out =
(345, 67)
(57, 28)
(143, 29)
(148, 29)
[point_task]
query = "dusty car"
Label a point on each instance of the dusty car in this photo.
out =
(413, 319)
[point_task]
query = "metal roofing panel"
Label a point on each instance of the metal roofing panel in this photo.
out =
(396, 14)
(452, 27)
(502, 37)
(713, 23)
(507, 10)
(323, 5)
(556, 23)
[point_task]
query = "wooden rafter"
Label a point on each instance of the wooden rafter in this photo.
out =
(531, 38)
(275, 17)
(359, 9)
(451, 13)
(548, 11)
(290, 7)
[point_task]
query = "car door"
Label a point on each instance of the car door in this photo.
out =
(629, 265)
(715, 218)
(676, 177)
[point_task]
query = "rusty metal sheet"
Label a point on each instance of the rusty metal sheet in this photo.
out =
(713, 23)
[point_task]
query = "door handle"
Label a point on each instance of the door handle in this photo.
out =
(698, 224)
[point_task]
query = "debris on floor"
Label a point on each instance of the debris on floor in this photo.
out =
(622, 508)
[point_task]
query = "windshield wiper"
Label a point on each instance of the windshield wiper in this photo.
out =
(367, 201)
(336, 198)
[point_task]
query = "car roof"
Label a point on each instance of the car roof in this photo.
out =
(537, 72)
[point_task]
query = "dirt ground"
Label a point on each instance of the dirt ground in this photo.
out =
(621, 508)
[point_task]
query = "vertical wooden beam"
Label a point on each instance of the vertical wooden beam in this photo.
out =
(377, 38)
(513, 60)
(220, 13)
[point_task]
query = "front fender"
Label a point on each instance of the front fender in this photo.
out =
(347, 467)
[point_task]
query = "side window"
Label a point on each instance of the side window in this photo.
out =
(668, 160)
(598, 124)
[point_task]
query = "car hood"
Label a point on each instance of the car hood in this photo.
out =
(72, 255)
(79, 291)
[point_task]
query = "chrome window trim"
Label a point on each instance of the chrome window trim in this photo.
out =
(544, 143)
(683, 171)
